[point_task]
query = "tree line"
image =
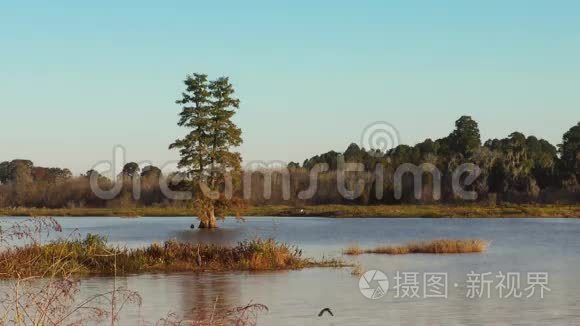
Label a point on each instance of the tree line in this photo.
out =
(518, 168)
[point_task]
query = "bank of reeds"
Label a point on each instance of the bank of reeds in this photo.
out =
(93, 255)
(440, 246)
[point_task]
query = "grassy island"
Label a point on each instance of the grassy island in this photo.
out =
(93, 256)
(440, 246)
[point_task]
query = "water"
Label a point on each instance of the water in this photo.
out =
(295, 297)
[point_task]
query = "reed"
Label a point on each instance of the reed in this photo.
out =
(357, 270)
(93, 255)
(440, 246)
(353, 250)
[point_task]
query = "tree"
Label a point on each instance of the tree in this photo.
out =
(465, 139)
(50, 175)
(293, 165)
(428, 147)
(330, 158)
(354, 153)
(151, 172)
(513, 171)
(206, 154)
(20, 177)
(544, 157)
(130, 170)
(570, 154)
(4, 172)
(20, 171)
(97, 175)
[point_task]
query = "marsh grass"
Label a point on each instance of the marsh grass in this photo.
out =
(440, 246)
(353, 250)
(44, 287)
(48, 293)
(93, 255)
(409, 210)
(357, 270)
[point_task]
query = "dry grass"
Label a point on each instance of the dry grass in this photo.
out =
(353, 250)
(442, 210)
(440, 246)
(357, 270)
(94, 256)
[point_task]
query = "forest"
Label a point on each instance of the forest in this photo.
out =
(516, 169)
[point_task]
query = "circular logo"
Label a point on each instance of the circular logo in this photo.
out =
(373, 284)
(379, 137)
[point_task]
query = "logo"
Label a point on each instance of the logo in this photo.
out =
(379, 137)
(373, 284)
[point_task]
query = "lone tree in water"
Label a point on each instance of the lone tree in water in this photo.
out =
(206, 151)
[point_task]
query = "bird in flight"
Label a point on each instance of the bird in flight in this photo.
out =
(321, 313)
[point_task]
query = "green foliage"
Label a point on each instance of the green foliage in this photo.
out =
(151, 172)
(95, 241)
(513, 165)
(465, 139)
(330, 158)
(517, 168)
(50, 175)
(570, 154)
(19, 171)
(4, 172)
(293, 165)
(130, 170)
(206, 150)
(207, 110)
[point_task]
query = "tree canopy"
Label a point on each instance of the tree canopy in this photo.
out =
(207, 108)
(570, 154)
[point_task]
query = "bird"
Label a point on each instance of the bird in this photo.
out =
(192, 226)
(321, 313)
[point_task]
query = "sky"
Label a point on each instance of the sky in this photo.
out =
(77, 79)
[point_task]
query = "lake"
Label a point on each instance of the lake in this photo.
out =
(521, 246)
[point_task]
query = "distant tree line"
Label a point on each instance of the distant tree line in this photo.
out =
(513, 169)
(26, 185)
(517, 168)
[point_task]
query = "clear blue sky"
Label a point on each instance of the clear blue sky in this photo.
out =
(78, 78)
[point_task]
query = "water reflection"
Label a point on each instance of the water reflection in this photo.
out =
(219, 236)
(199, 290)
(190, 296)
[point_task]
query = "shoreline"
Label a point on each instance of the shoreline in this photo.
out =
(336, 211)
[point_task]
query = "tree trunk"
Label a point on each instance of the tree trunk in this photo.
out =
(208, 221)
